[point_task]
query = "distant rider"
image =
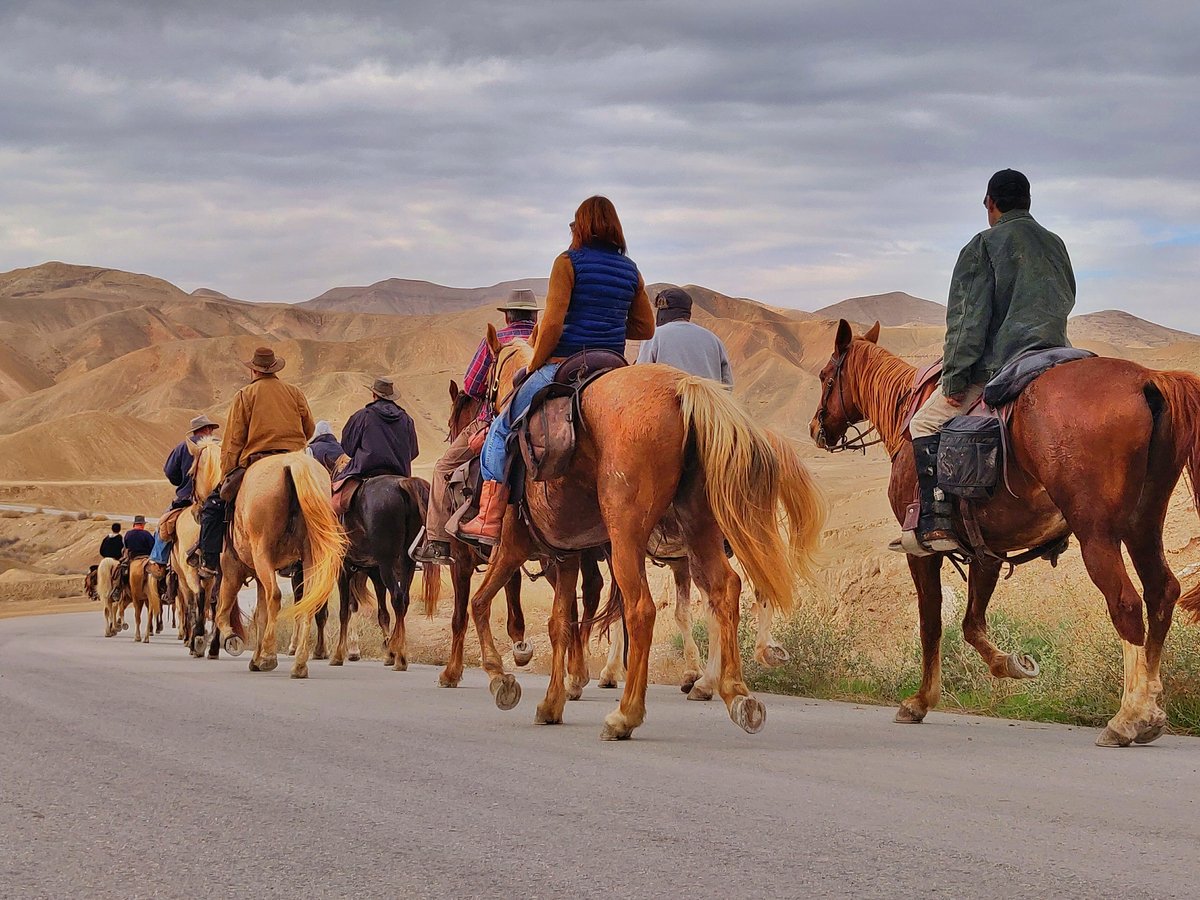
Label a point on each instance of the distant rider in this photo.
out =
(178, 470)
(680, 342)
(380, 439)
(1011, 292)
(113, 545)
(324, 447)
(520, 317)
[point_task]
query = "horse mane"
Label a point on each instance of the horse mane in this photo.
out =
(881, 388)
(206, 465)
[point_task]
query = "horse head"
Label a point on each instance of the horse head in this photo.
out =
(206, 466)
(464, 409)
(507, 360)
(840, 406)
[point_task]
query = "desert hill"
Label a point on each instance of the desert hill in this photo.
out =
(894, 308)
(406, 297)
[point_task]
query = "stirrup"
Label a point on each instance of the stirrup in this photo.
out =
(909, 543)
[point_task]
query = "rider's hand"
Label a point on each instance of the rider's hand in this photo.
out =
(477, 441)
(956, 400)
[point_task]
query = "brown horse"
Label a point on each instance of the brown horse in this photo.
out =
(283, 517)
(652, 442)
(142, 594)
(1097, 447)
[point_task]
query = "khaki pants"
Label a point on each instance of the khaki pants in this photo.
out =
(937, 411)
(439, 504)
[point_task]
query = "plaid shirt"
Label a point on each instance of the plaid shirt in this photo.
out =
(475, 382)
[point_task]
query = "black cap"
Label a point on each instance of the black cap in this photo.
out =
(1007, 184)
(673, 298)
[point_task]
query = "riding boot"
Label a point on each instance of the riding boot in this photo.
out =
(935, 527)
(485, 527)
(212, 533)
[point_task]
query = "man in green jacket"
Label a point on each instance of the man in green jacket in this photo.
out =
(1011, 292)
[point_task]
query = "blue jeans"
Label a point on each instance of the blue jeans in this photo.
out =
(495, 453)
(161, 552)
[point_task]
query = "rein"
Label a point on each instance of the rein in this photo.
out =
(498, 403)
(858, 441)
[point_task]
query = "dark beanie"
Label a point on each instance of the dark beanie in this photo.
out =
(1007, 185)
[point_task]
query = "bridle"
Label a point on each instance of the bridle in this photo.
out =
(491, 398)
(856, 442)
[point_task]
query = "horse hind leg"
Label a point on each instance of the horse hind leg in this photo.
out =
(339, 649)
(460, 575)
(767, 651)
(981, 584)
(550, 710)
(577, 662)
(681, 575)
(927, 576)
(614, 665)
(504, 563)
(522, 650)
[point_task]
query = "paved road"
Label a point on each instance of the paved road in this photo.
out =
(134, 771)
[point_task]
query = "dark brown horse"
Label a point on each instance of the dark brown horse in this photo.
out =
(1097, 447)
(464, 409)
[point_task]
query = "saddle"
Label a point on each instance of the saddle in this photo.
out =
(973, 453)
(547, 431)
(167, 524)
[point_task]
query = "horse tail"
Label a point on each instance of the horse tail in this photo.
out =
(104, 577)
(364, 598)
(431, 576)
(325, 541)
(1180, 392)
(748, 476)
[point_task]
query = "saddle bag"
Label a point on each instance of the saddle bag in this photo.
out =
(548, 436)
(970, 456)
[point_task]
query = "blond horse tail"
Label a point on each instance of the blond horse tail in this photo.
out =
(749, 476)
(324, 538)
(104, 578)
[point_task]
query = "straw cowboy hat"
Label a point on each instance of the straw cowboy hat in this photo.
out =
(265, 361)
(201, 421)
(383, 387)
(521, 299)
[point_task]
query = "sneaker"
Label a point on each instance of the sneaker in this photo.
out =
(433, 553)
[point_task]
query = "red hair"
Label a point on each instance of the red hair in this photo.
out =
(596, 222)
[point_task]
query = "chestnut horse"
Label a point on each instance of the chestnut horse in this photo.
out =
(1097, 447)
(282, 517)
(653, 441)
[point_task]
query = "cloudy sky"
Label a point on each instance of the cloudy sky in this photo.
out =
(795, 152)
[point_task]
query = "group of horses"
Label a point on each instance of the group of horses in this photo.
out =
(668, 467)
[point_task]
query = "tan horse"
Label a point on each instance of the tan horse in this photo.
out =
(283, 517)
(654, 441)
(142, 595)
(192, 611)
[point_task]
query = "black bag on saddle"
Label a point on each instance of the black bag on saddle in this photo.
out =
(971, 456)
(547, 429)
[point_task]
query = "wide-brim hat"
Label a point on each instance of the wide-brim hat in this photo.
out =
(383, 387)
(199, 422)
(265, 361)
(522, 299)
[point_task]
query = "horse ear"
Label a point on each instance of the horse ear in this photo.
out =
(533, 335)
(844, 336)
(493, 340)
(453, 390)
(873, 334)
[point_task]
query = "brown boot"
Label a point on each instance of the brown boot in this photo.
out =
(485, 527)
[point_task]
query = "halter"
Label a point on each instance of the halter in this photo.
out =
(856, 442)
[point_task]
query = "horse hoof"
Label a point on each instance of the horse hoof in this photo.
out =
(905, 715)
(613, 732)
(321, 654)
(336, 661)
(300, 671)
(401, 665)
(574, 691)
(1022, 666)
(124, 626)
(608, 682)
(689, 681)
(546, 717)
(522, 653)
(354, 657)
(774, 656)
(445, 682)
(1110, 738)
(700, 692)
(214, 654)
(234, 645)
(388, 660)
(506, 690)
(198, 646)
(748, 714)
(1150, 733)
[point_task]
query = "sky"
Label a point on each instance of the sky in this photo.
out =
(795, 152)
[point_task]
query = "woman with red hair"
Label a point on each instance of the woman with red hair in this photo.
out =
(596, 300)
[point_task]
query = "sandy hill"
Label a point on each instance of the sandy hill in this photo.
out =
(1121, 329)
(894, 308)
(406, 297)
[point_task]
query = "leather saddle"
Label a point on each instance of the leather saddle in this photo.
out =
(548, 429)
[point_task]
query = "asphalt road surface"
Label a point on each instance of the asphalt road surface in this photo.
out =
(135, 771)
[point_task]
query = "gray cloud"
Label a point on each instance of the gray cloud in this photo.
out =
(794, 153)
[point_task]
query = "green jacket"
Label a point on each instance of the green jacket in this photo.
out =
(1012, 291)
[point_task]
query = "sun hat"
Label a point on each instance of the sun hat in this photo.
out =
(383, 387)
(264, 361)
(521, 299)
(201, 421)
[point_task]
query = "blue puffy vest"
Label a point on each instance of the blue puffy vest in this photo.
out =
(605, 285)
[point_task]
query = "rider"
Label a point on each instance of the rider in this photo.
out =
(1011, 292)
(178, 470)
(138, 542)
(380, 439)
(267, 416)
(596, 300)
(681, 343)
(324, 446)
(112, 545)
(520, 317)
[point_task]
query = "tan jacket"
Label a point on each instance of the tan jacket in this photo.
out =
(267, 414)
